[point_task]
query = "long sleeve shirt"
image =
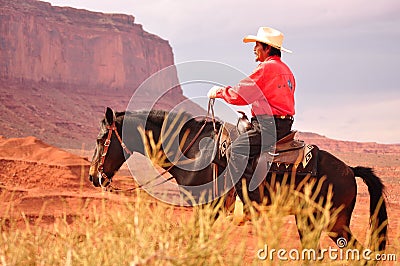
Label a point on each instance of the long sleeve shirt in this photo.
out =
(269, 89)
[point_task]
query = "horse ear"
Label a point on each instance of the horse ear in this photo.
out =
(110, 116)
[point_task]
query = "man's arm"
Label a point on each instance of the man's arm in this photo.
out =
(245, 92)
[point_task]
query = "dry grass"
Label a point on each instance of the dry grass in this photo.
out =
(148, 232)
(145, 232)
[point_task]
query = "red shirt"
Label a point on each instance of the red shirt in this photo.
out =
(269, 89)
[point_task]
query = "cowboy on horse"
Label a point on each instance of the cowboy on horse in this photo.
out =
(270, 91)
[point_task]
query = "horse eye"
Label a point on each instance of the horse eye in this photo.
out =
(100, 139)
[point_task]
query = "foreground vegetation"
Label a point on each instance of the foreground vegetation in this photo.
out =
(143, 232)
(148, 232)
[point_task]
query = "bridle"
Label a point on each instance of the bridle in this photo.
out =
(113, 128)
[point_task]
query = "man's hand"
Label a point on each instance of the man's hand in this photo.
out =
(212, 93)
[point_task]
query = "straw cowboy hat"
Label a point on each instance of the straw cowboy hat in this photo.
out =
(269, 36)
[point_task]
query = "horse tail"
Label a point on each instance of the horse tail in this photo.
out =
(378, 217)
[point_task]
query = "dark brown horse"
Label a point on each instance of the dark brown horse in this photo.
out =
(111, 152)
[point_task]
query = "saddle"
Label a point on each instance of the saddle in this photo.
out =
(288, 143)
(290, 154)
(293, 155)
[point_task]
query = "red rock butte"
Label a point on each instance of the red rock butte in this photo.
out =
(41, 42)
(60, 67)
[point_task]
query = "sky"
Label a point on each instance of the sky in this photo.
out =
(345, 53)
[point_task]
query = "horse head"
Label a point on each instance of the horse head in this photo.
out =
(109, 152)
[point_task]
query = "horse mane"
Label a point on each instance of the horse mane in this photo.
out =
(118, 114)
(159, 116)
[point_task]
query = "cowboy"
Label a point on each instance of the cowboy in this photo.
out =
(270, 91)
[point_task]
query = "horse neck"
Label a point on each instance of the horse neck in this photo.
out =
(140, 124)
(132, 138)
(200, 171)
(155, 123)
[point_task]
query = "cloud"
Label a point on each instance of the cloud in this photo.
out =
(342, 49)
(362, 118)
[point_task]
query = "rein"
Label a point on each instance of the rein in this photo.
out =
(113, 128)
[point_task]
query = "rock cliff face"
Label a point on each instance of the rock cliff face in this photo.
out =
(40, 42)
(348, 146)
(61, 67)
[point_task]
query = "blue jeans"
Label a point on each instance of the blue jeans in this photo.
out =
(263, 136)
(246, 148)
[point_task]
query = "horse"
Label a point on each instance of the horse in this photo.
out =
(111, 152)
